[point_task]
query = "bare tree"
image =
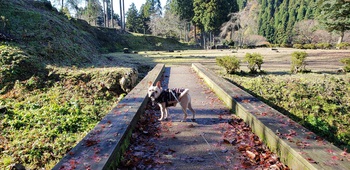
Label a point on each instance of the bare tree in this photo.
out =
(304, 31)
(169, 25)
(242, 24)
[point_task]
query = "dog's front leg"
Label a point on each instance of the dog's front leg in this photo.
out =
(162, 111)
(166, 113)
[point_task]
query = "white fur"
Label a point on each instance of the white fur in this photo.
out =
(184, 99)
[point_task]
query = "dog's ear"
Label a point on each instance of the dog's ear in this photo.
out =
(150, 83)
(158, 84)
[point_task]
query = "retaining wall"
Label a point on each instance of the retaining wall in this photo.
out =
(296, 146)
(104, 145)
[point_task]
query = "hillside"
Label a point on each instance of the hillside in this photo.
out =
(33, 35)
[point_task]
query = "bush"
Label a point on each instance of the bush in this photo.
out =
(346, 61)
(230, 63)
(323, 46)
(298, 46)
(298, 61)
(254, 61)
(343, 45)
(309, 46)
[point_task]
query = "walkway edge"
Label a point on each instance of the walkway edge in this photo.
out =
(296, 146)
(103, 146)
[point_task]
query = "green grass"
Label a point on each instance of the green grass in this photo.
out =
(41, 125)
(319, 102)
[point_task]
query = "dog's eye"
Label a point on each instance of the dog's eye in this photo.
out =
(156, 91)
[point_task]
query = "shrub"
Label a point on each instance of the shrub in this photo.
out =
(298, 46)
(346, 61)
(323, 46)
(343, 45)
(254, 61)
(309, 46)
(298, 61)
(230, 63)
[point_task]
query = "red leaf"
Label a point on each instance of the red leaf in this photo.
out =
(311, 160)
(263, 114)
(335, 158)
(245, 101)
(329, 150)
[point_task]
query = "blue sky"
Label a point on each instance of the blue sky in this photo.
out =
(138, 4)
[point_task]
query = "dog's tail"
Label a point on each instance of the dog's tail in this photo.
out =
(183, 93)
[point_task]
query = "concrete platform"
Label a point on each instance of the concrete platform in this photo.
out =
(197, 145)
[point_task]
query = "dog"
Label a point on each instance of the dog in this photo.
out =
(170, 97)
(128, 81)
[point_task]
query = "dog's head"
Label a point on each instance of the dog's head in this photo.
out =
(154, 91)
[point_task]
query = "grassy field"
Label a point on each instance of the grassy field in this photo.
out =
(326, 61)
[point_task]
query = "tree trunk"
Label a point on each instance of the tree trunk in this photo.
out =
(186, 32)
(112, 13)
(107, 19)
(340, 40)
(121, 14)
(62, 5)
(195, 33)
(104, 12)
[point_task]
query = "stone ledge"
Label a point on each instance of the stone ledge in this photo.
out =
(296, 146)
(104, 145)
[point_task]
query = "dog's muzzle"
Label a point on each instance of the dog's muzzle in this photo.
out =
(152, 98)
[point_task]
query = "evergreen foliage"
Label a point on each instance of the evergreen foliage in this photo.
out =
(211, 14)
(336, 16)
(254, 61)
(278, 17)
(298, 61)
(346, 62)
(133, 20)
(183, 8)
(230, 63)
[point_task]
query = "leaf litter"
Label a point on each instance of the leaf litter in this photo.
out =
(143, 153)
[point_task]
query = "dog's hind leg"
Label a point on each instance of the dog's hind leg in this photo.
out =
(191, 109)
(184, 109)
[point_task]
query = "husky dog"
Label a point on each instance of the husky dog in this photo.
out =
(170, 97)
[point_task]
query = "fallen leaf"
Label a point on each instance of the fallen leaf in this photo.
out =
(251, 155)
(311, 160)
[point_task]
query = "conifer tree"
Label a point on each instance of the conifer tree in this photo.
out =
(335, 16)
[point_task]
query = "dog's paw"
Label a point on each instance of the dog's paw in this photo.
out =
(193, 120)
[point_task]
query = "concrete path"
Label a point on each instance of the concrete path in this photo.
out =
(199, 144)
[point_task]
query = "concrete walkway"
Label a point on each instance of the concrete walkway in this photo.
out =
(196, 145)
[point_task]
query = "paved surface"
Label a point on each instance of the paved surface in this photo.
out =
(196, 145)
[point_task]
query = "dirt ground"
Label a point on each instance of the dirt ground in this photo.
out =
(274, 60)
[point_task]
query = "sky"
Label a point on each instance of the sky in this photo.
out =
(127, 4)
